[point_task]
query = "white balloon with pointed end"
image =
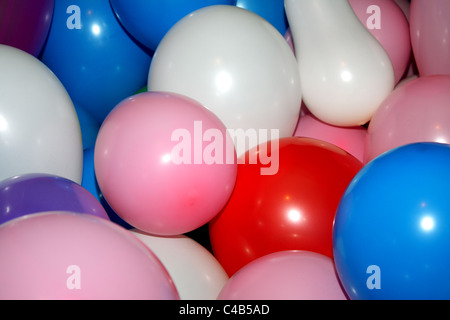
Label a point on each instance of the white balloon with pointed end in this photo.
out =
(345, 73)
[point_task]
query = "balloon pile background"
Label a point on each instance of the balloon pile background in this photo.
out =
(119, 180)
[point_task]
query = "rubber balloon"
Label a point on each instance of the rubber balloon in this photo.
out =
(291, 209)
(34, 193)
(149, 20)
(430, 22)
(234, 63)
(345, 73)
(350, 139)
(285, 275)
(386, 21)
(416, 111)
(96, 60)
(196, 273)
(25, 24)
(271, 10)
(89, 127)
(391, 231)
(39, 127)
(67, 256)
(90, 184)
(164, 163)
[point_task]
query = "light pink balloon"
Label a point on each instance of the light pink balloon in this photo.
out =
(350, 139)
(386, 21)
(416, 111)
(430, 35)
(285, 275)
(405, 5)
(164, 163)
(68, 256)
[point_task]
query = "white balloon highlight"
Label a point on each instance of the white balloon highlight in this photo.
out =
(234, 63)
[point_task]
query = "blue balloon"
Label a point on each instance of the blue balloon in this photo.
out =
(392, 228)
(89, 127)
(271, 10)
(149, 20)
(89, 182)
(93, 56)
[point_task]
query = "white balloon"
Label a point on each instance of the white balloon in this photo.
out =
(39, 127)
(237, 65)
(345, 73)
(195, 272)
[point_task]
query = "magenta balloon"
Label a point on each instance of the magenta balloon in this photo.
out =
(25, 24)
(416, 111)
(161, 162)
(285, 275)
(387, 22)
(430, 36)
(350, 139)
(68, 256)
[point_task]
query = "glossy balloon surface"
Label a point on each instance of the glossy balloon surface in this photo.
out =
(416, 111)
(34, 193)
(234, 63)
(164, 163)
(430, 36)
(391, 232)
(344, 71)
(350, 139)
(25, 24)
(93, 56)
(291, 209)
(39, 127)
(285, 275)
(67, 256)
(148, 21)
(387, 22)
(195, 271)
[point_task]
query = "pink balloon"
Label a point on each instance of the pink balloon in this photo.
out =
(68, 256)
(405, 5)
(285, 275)
(416, 111)
(164, 163)
(350, 139)
(430, 35)
(386, 21)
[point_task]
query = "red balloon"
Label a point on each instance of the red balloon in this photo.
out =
(293, 209)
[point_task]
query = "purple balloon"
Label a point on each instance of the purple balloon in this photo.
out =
(25, 24)
(34, 193)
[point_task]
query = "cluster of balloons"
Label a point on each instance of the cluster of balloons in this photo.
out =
(224, 149)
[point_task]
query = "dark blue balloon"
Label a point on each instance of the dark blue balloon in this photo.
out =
(392, 228)
(93, 56)
(271, 10)
(149, 20)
